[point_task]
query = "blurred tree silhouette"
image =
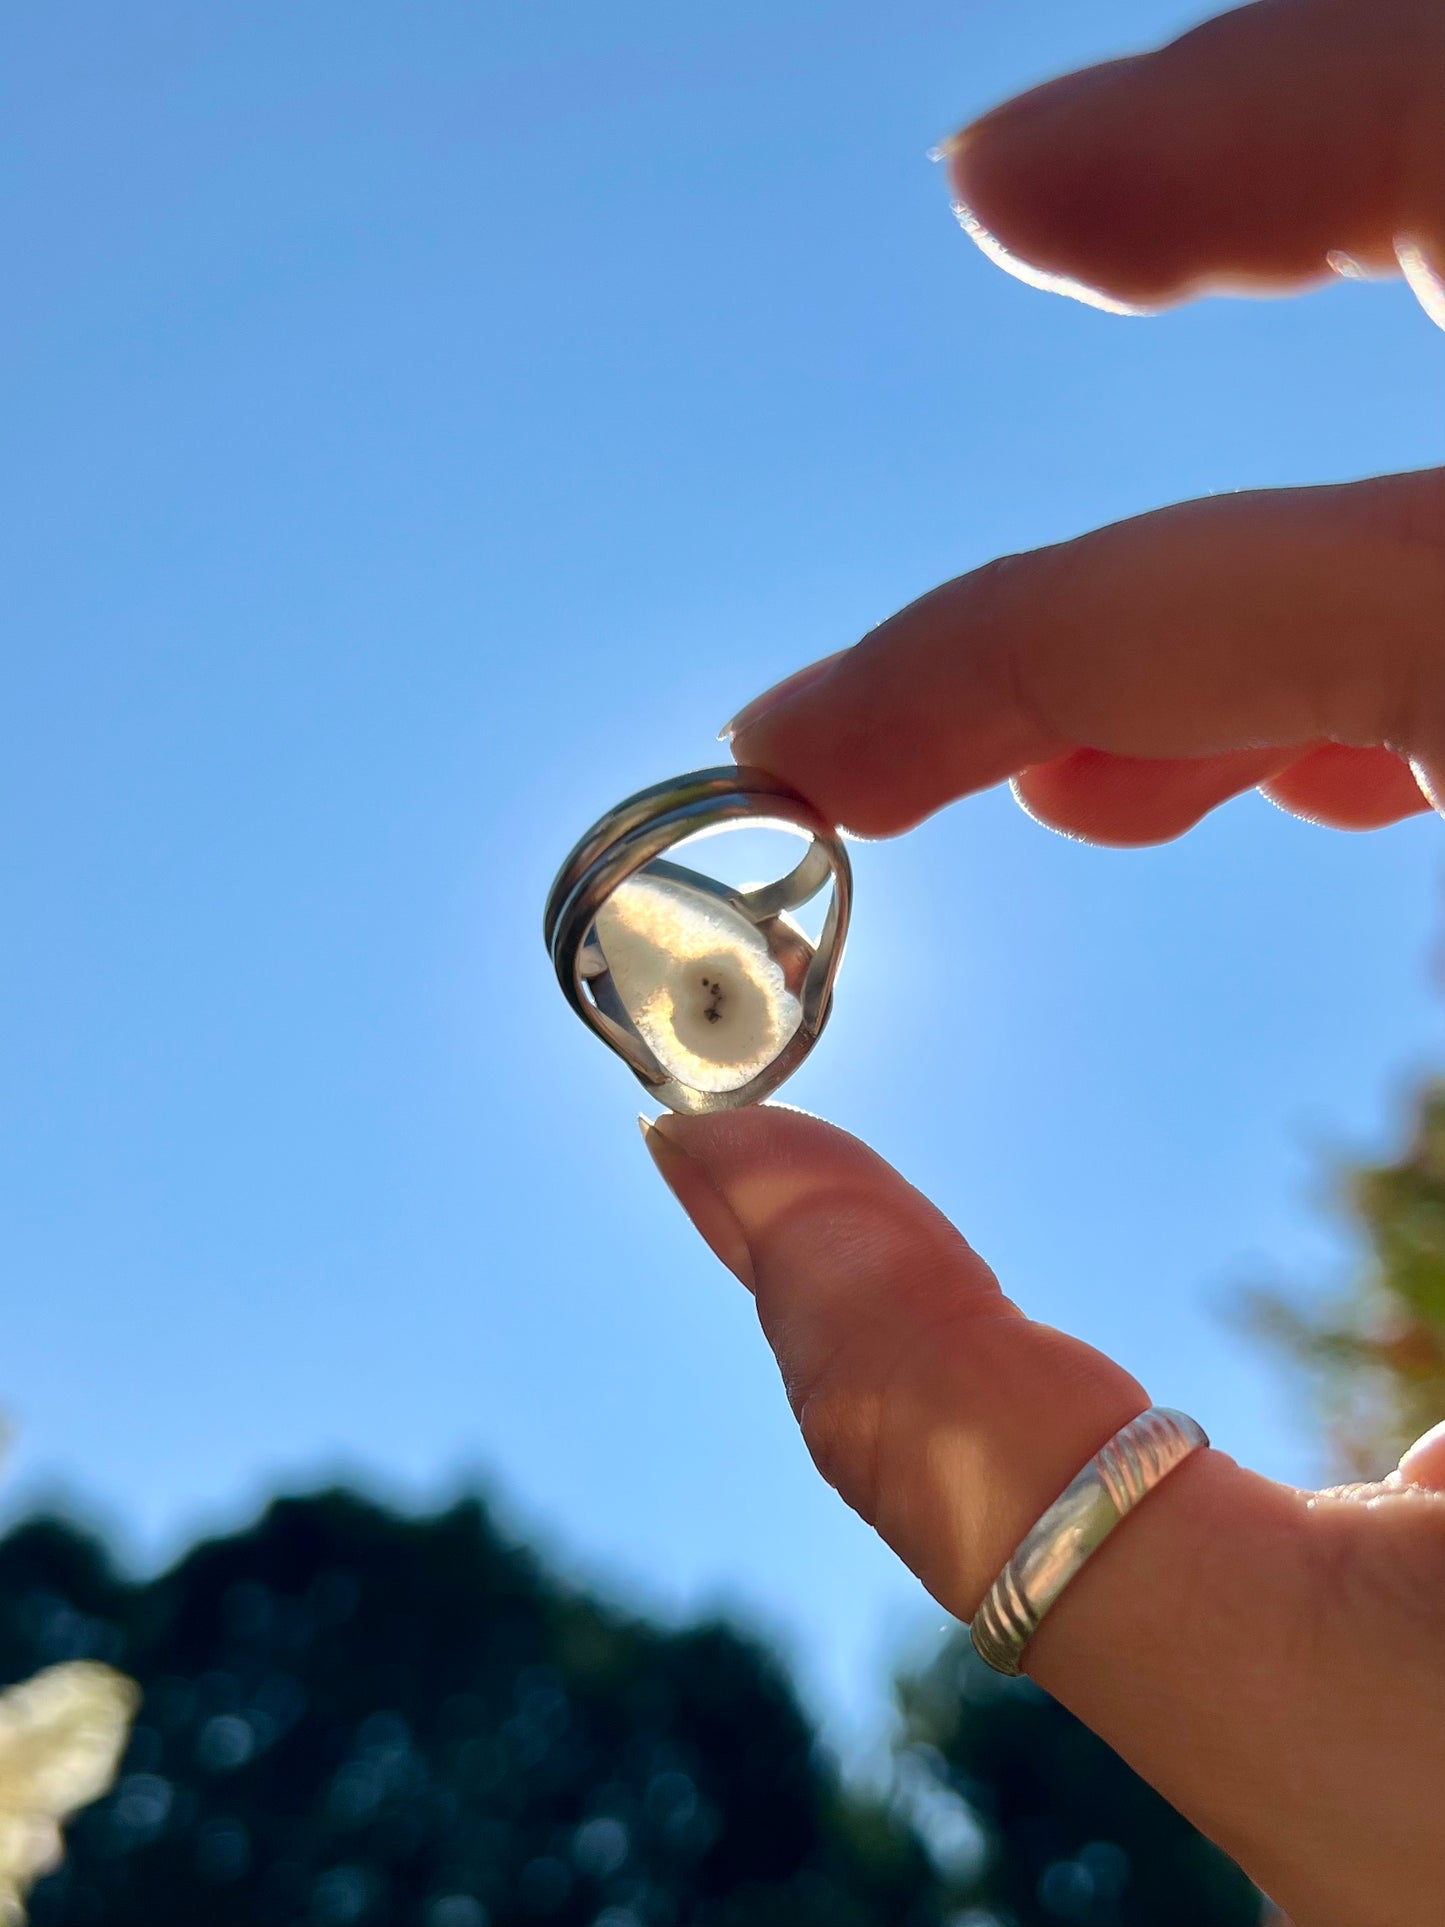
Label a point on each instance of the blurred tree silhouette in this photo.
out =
(352, 1718)
(357, 1719)
(1069, 1836)
(1374, 1355)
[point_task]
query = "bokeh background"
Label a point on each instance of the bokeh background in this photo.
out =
(425, 425)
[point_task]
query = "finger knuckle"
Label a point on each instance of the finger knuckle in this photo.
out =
(1378, 1564)
(1411, 511)
(1013, 605)
(841, 1424)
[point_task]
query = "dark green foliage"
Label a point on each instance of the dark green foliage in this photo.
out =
(1374, 1356)
(353, 1719)
(356, 1719)
(1071, 1836)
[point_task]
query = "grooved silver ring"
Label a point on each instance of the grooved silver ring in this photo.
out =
(1138, 1457)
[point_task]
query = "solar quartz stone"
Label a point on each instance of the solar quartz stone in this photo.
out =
(712, 994)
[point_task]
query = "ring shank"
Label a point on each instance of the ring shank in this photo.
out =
(1070, 1532)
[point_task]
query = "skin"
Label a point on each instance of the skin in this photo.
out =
(1273, 1660)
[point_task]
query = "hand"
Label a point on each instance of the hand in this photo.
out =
(1272, 1660)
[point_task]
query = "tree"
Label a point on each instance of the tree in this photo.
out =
(1068, 1835)
(356, 1719)
(1373, 1355)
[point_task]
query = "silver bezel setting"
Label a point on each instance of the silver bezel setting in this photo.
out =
(633, 836)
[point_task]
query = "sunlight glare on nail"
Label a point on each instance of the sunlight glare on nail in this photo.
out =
(1424, 280)
(1021, 270)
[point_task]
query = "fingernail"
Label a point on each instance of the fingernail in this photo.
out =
(1424, 1463)
(945, 150)
(780, 692)
(711, 1215)
(1424, 277)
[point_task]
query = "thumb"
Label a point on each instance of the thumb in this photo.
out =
(1269, 1659)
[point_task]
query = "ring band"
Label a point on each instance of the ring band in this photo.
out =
(1136, 1459)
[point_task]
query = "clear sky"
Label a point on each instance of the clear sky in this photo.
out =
(423, 425)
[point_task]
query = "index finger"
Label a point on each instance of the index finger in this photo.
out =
(1244, 622)
(1256, 152)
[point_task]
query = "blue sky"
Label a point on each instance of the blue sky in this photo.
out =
(423, 426)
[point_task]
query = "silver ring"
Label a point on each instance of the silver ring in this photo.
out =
(1135, 1460)
(712, 995)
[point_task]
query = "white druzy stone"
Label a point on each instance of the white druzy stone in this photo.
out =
(698, 980)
